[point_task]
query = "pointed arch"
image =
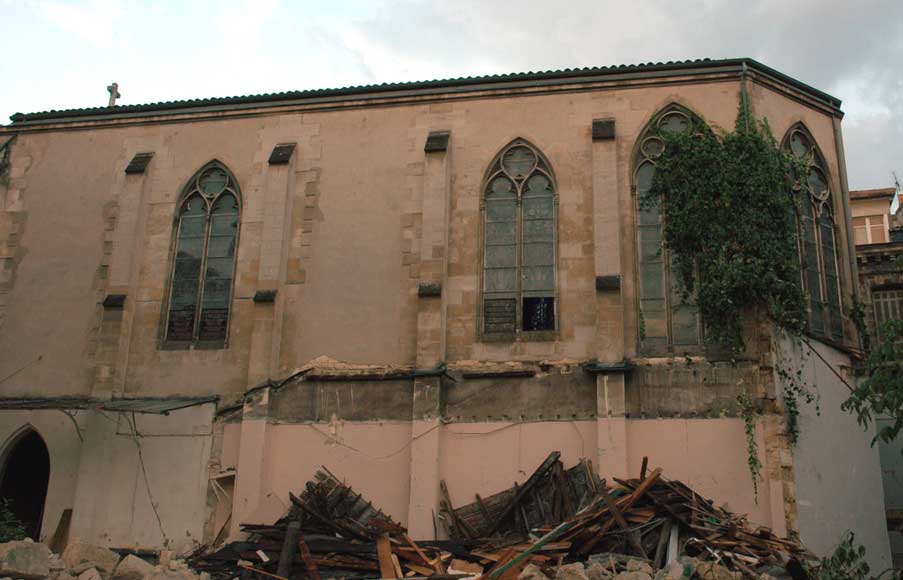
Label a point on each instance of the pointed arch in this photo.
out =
(205, 240)
(668, 322)
(817, 233)
(519, 203)
(25, 476)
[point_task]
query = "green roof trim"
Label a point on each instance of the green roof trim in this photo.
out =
(544, 78)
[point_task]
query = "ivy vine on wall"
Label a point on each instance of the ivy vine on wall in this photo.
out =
(730, 223)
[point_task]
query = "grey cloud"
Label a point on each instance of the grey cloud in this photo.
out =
(831, 44)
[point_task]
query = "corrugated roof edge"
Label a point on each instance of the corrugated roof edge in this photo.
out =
(161, 107)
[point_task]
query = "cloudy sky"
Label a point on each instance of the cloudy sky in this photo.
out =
(63, 53)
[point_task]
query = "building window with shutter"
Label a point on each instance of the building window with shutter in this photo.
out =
(519, 206)
(888, 305)
(870, 229)
(205, 239)
(668, 322)
(818, 239)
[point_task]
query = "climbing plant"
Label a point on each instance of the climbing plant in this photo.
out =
(10, 527)
(881, 392)
(730, 224)
(748, 413)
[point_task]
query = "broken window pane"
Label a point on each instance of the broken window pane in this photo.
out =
(539, 313)
(519, 238)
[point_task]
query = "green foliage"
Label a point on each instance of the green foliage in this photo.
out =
(794, 386)
(10, 527)
(881, 393)
(857, 314)
(748, 413)
(730, 223)
(847, 562)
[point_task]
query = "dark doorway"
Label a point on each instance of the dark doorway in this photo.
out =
(25, 478)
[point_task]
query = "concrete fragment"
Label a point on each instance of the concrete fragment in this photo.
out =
(675, 571)
(532, 572)
(80, 556)
(25, 559)
(639, 566)
(164, 574)
(89, 574)
(597, 571)
(466, 567)
(571, 572)
(714, 571)
(132, 568)
(64, 576)
(55, 563)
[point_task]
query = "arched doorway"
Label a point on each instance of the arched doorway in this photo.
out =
(26, 473)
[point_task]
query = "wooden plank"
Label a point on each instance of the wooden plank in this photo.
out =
(437, 565)
(289, 545)
(384, 555)
(619, 518)
(546, 539)
(625, 503)
(525, 489)
(312, 571)
(643, 468)
(396, 565)
(263, 572)
(657, 561)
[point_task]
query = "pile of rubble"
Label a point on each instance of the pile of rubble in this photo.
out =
(28, 560)
(560, 523)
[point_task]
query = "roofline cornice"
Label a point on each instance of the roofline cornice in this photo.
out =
(405, 93)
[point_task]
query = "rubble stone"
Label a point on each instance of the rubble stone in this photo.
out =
(55, 563)
(164, 574)
(714, 571)
(571, 572)
(636, 575)
(675, 571)
(25, 559)
(639, 566)
(132, 568)
(597, 571)
(89, 574)
(532, 572)
(80, 556)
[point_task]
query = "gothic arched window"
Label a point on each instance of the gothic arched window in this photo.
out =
(203, 260)
(668, 321)
(519, 233)
(818, 247)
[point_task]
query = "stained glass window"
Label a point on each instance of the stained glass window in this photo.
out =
(203, 267)
(669, 321)
(818, 240)
(519, 242)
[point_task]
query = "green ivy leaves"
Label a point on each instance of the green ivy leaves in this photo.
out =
(730, 224)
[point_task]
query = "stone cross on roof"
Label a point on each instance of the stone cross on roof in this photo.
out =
(114, 94)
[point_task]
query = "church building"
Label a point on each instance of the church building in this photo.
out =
(414, 285)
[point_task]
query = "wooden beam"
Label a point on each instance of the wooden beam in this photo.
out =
(384, 555)
(312, 571)
(619, 518)
(289, 545)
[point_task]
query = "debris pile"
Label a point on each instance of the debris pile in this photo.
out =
(30, 560)
(560, 523)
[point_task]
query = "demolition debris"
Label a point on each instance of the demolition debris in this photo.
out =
(559, 523)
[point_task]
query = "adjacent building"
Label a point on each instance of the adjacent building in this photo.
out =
(202, 302)
(878, 232)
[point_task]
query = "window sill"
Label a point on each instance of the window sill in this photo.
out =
(523, 336)
(187, 345)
